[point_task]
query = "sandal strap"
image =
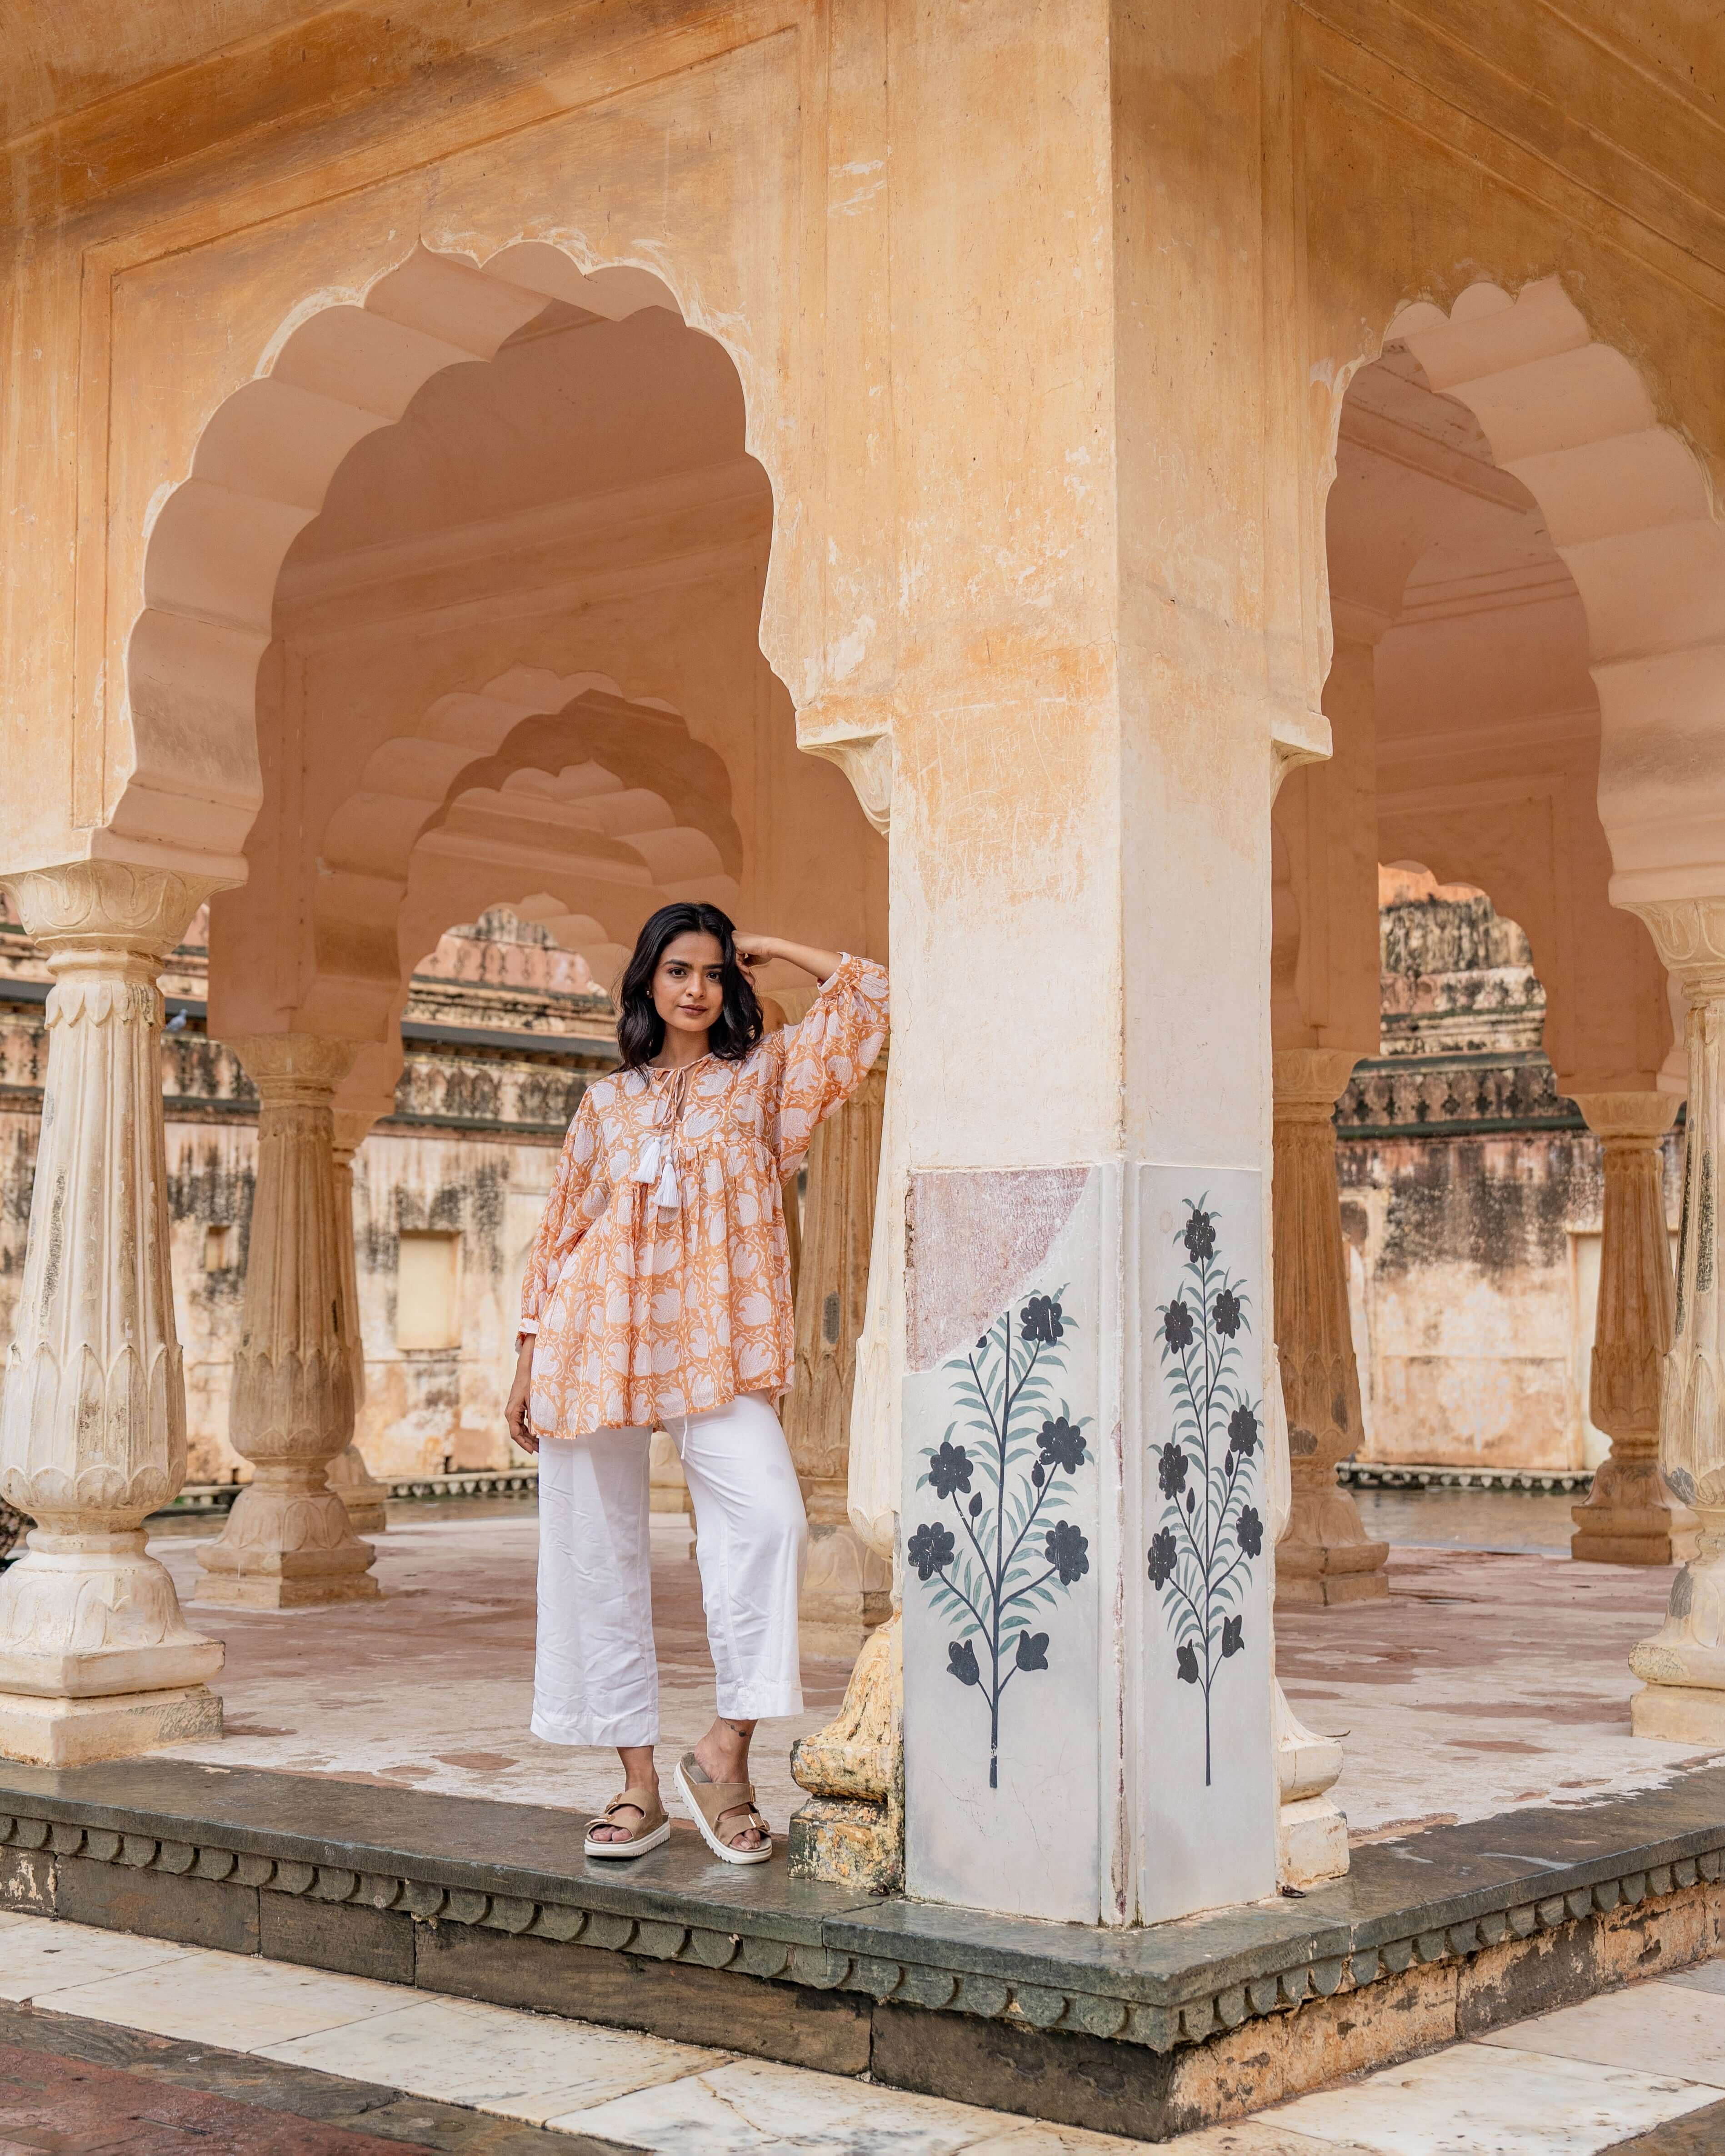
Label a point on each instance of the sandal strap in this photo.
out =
(641, 1801)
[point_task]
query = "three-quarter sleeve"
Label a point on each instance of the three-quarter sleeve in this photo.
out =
(579, 1194)
(826, 1057)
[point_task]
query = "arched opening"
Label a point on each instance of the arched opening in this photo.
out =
(476, 574)
(1522, 579)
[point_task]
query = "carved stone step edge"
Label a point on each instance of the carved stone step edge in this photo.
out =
(1082, 2001)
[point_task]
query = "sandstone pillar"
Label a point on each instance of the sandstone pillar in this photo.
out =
(1325, 1557)
(96, 1660)
(1684, 1663)
(847, 1588)
(289, 1544)
(353, 1481)
(1629, 1517)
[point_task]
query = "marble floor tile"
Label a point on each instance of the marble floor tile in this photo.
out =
(752, 2108)
(523, 2066)
(39, 1957)
(1705, 1976)
(1655, 2027)
(237, 2000)
(1489, 2100)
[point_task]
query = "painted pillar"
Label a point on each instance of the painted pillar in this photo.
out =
(1629, 1517)
(353, 1481)
(1683, 1664)
(1325, 1557)
(289, 1544)
(1098, 687)
(96, 1659)
(847, 1589)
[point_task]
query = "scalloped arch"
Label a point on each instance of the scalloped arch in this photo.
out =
(1631, 513)
(673, 795)
(338, 369)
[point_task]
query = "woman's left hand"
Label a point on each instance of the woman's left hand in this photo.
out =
(753, 950)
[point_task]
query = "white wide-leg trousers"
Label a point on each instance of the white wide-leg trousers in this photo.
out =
(595, 1675)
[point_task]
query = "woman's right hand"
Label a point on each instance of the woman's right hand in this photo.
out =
(515, 1412)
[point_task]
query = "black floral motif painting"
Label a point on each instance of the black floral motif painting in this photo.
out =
(1202, 1555)
(997, 1555)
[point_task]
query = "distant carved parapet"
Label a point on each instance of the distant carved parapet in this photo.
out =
(1453, 1096)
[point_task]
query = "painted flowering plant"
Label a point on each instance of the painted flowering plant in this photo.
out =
(1201, 1556)
(1005, 1469)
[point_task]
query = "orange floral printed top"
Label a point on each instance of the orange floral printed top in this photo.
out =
(660, 1282)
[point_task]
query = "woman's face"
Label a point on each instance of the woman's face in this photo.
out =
(688, 990)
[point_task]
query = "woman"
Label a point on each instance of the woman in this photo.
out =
(658, 1293)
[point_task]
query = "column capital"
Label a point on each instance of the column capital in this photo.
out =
(296, 1070)
(1311, 1079)
(1689, 935)
(110, 907)
(1633, 1116)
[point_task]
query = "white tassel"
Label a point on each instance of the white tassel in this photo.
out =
(669, 1196)
(647, 1167)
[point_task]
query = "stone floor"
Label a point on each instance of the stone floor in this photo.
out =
(115, 2043)
(1492, 1678)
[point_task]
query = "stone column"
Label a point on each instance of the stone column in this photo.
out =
(847, 1589)
(1684, 1663)
(1311, 1830)
(96, 1660)
(289, 1544)
(1325, 1557)
(353, 1481)
(1629, 1517)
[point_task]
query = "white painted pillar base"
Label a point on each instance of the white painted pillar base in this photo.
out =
(289, 1544)
(1684, 1663)
(96, 1659)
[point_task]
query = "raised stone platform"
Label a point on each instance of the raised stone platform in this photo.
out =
(1447, 1934)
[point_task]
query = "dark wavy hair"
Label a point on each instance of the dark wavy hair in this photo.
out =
(640, 1030)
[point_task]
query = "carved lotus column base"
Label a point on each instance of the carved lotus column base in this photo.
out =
(1324, 1558)
(851, 1833)
(75, 1733)
(86, 1614)
(360, 1490)
(1630, 1518)
(287, 1545)
(847, 1589)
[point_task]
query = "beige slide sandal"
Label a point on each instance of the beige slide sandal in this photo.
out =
(721, 1808)
(655, 1826)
